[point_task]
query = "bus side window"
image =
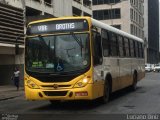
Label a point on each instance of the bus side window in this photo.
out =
(114, 51)
(138, 50)
(142, 50)
(126, 47)
(134, 48)
(120, 42)
(131, 48)
(105, 43)
(97, 49)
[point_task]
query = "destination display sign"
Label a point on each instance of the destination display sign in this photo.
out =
(57, 26)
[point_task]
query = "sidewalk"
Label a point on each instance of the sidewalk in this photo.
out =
(9, 92)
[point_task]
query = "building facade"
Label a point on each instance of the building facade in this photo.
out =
(14, 16)
(126, 15)
(152, 30)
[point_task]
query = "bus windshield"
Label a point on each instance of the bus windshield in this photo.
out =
(57, 53)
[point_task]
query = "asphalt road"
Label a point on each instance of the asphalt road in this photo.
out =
(145, 100)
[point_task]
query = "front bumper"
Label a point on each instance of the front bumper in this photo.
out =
(59, 94)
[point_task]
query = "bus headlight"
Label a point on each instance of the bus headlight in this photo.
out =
(82, 83)
(32, 85)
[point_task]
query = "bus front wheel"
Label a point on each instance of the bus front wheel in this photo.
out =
(106, 93)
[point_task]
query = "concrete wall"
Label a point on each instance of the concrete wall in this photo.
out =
(62, 8)
(125, 14)
(41, 6)
(6, 71)
(8, 62)
(15, 3)
(11, 26)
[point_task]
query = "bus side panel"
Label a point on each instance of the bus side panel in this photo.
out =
(141, 70)
(98, 82)
(98, 88)
(125, 72)
(110, 66)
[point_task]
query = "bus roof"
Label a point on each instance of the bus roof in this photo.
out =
(115, 30)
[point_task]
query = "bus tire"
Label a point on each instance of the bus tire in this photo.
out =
(134, 85)
(106, 93)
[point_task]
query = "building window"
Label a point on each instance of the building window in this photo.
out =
(116, 14)
(99, 2)
(107, 14)
(132, 29)
(117, 26)
(87, 3)
(37, 0)
(94, 2)
(48, 2)
(76, 12)
(131, 10)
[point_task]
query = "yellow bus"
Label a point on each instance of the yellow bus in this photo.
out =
(79, 58)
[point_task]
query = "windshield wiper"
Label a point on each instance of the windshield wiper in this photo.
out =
(42, 39)
(77, 40)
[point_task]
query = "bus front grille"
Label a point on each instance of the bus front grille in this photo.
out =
(51, 86)
(55, 93)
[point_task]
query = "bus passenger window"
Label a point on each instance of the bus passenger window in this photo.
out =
(105, 43)
(126, 47)
(114, 51)
(97, 49)
(136, 49)
(131, 48)
(120, 42)
(142, 50)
